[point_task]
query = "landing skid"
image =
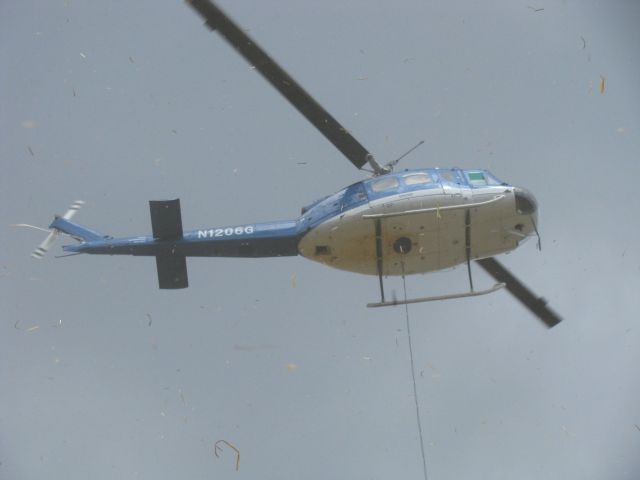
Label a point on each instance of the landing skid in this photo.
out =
(496, 287)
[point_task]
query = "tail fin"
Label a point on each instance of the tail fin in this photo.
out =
(61, 224)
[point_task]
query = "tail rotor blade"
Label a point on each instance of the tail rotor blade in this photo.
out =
(73, 209)
(45, 245)
(537, 305)
(53, 232)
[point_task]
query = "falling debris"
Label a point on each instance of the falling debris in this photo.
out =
(74, 91)
(363, 77)
(184, 402)
(32, 329)
(301, 163)
(602, 84)
(535, 9)
(217, 449)
(638, 427)
(83, 55)
(584, 42)
(150, 319)
(131, 59)
(293, 280)
(31, 152)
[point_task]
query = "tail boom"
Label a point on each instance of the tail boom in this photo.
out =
(76, 231)
(170, 245)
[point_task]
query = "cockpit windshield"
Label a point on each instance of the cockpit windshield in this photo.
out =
(482, 178)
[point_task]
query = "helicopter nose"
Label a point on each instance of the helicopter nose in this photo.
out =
(526, 203)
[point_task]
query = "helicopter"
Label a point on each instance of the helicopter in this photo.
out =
(390, 224)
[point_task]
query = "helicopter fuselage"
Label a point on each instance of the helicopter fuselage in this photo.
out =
(414, 221)
(423, 217)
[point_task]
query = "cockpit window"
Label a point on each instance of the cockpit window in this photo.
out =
(386, 183)
(354, 194)
(476, 179)
(417, 179)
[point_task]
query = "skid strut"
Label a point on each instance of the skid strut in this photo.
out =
(378, 223)
(467, 243)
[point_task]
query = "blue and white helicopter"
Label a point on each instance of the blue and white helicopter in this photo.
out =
(414, 221)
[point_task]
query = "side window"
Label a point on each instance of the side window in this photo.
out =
(386, 183)
(417, 179)
(448, 176)
(476, 179)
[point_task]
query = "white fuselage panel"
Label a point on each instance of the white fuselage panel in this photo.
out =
(438, 237)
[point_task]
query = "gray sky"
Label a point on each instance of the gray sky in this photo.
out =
(118, 103)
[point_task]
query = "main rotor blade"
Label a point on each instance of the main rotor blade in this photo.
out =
(216, 19)
(537, 305)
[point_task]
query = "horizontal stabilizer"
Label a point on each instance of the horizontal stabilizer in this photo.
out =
(166, 220)
(172, 271)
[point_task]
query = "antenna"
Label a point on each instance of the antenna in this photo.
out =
(393, 163)
(388, 168)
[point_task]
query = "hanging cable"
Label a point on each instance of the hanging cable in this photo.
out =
(413, 370)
